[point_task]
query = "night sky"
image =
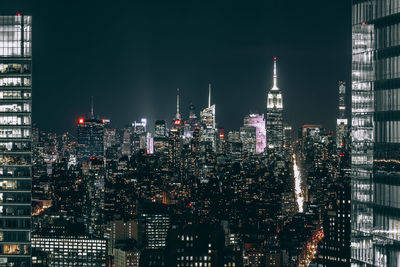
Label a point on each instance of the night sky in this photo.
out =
(132, 55)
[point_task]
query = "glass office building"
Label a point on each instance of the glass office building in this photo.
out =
(375, 200)
(15, 139)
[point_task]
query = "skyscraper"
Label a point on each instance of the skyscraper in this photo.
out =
(375, 158)
(274, 115)
(248, 137)
(341, 122)
(207, 115)
(90, 137)
(174, 139)
(257, 121)
(15, 139)
(207, 118)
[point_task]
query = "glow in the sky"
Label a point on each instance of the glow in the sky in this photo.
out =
(297, 185)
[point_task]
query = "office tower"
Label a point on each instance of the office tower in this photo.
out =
(375, 133)
(90, 137)
(207, 115)
(174, 147)
(139, 135)
(120, 230)
(207, 120)
(127, 255)
(248, 138)
(160, 140)
(195, 245)
(160, 128)
(154, 224)
(341, 122)
(274, 115)
(126, 149)
(94, 173)
(149, 144)
(222, 142)
(174, 141)
(110, 135)
(15, 135)
(334, 248)
(287, 136)
(257, 121)
(70, 250)
(235, 145)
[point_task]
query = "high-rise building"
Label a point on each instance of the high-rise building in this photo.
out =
(375, 158)
(257, 121)
(248, 136)
(67, 250)
(207, 115)
(287, 136)
(160, 128)
(139, 137)
(274, 115)
(207, 119)
(154, 224)
(127, 255)
(15, 139)
(174, 141)
(120, 230)
(94, 174)
(341, 122)
(90, 137)
(334, 248)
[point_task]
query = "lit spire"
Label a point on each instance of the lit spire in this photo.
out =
(178, 115)
(91, 108)
(209, 95)
(275, 86)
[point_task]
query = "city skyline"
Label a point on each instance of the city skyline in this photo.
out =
(114, 152)
(218, 48)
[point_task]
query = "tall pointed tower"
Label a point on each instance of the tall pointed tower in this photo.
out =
(178, 114)
(274, 115)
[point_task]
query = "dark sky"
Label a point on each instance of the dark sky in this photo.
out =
(132, 55)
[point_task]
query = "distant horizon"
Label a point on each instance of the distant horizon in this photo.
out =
(132, 56)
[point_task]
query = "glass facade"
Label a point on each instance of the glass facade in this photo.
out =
(15, 140)
(375, 133)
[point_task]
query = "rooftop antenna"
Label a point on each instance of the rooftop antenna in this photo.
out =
(275, 87)
(178, 115)
(209, 95)
(91, 107)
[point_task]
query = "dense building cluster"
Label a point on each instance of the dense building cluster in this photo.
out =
(189, 193)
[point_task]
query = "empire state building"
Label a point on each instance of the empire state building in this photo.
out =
(274, 115)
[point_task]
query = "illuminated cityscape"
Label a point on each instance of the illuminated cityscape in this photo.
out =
(182, 134)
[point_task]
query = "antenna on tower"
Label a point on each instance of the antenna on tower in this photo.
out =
(209, 95)
(91, 107)
(178, 115)
(275, 76)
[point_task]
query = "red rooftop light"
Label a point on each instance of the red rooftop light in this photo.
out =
(18, 14)
(274, 58)
(363, 23)
(341, 155)
(177, 122)
(81, 121)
